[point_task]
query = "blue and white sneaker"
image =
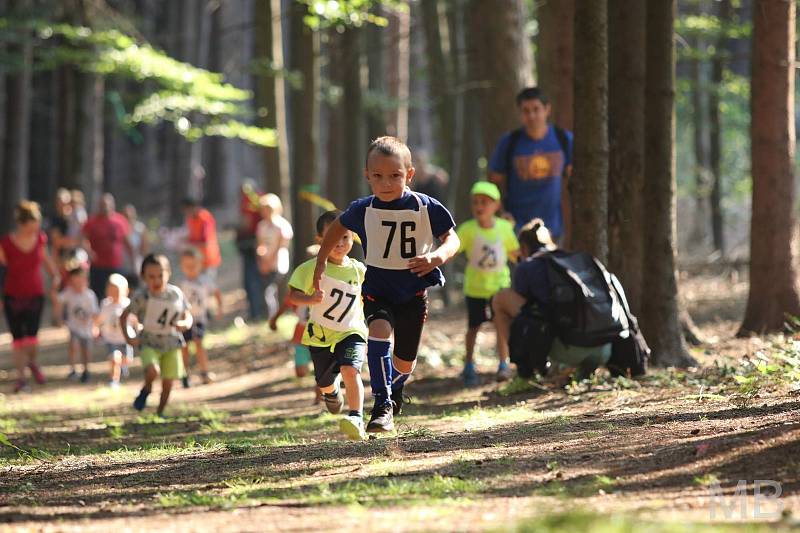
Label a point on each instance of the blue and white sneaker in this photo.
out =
(470, 375)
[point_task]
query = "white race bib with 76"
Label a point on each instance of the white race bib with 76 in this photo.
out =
(339, 308)
(395, 236)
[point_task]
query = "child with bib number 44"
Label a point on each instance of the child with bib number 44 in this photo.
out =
(336, 332)
(489, 243)
(163, 312)
(397, 228)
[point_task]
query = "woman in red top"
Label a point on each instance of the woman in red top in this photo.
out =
(23, 253)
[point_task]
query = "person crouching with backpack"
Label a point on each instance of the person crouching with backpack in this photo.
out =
(534, 341)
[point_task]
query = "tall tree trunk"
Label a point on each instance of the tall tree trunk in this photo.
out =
(660, 308)
(555, 55)
(467, 143)
(335, 174)
(354, 185)
(92, 147)
(626, 69)
(589, 183)
(305, 123)
(773, 280)
(503, 63)
(725, 15)
(374, 48)
(440, 75)
(17, 136)
(698, 234)
(397, 74)
(272, 94)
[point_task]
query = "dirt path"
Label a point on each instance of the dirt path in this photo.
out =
(251, 453)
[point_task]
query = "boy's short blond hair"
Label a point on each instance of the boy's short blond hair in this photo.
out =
(391, 146)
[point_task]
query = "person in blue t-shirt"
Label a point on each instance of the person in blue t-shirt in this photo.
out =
(398, 229)
(531, 165)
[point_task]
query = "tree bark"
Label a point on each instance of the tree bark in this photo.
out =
(397, 80)
(17, 137)
(555, 54)
(305, 121)
(699, 232)
(660, 308)
(589, 183)
(440, 74)
(352, 102)
(725, 15)
(272, 94)
(374, 48)
(335, 173)
(503, 63)
(626, 64)
(773, 280)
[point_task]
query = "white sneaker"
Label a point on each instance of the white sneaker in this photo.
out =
(353, 427)
(505, 372)
(113, 384)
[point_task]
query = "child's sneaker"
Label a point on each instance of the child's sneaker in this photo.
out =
(21, 386)
(504, 371)
(85, 377)
(334, 402)
(353, 427)
(141, 400)
(73, 375)
(470, 376)
(113, 384)
(207, 378)
(185, 381)
(38, 377)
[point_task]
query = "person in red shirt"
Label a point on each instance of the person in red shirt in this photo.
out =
(22, 253)
(202, 234)
(254, 286)
(107, 242)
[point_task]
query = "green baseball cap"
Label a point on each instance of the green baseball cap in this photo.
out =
(485, 188)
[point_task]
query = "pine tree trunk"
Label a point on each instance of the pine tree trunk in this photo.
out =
(271, 94)
(773, 280)
(725, 15)
(503, 63)
(698, 234)
(626, 64)
(353, 155)
(17, 136)
(374, 48)
(305, 123)
(660, 308)
(335, 173)
(440, 83)
(397, 80)
(588, 185)
(555, 53)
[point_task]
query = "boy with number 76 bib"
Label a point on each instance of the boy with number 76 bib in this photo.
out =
(397, 228)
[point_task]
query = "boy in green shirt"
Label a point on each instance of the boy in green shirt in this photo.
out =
(489, 243)
(336, 333)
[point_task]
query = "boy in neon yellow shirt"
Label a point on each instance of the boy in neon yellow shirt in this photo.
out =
(489, 243)
(336, 333)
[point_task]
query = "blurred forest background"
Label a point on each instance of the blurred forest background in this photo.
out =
(153, 100)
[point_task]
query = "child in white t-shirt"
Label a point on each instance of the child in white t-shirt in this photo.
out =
(273, 235)
(77, 305)
(120, 353)
(198, 288)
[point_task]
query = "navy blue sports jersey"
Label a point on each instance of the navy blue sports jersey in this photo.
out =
(397, 286)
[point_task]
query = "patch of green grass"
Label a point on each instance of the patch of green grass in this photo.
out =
(576, 489)
(594, 523)
(195, 499)
(479, 417)
(7, 425)
(706, 480)
(415, 432)
(519, 385)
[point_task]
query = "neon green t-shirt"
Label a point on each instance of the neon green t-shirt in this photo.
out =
(487, 252)
(341, 312)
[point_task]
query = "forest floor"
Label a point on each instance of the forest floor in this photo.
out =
(251, 453)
